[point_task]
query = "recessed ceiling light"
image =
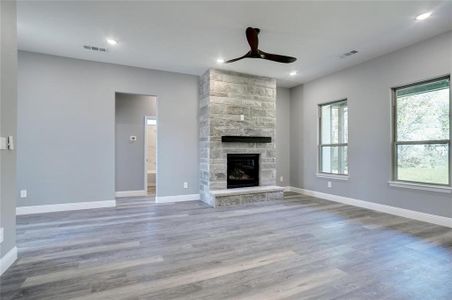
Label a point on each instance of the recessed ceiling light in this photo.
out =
(424, 16)
(220, 60)
(293, 73)
(112, 41)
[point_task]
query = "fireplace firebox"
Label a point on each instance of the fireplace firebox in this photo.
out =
(243, 170)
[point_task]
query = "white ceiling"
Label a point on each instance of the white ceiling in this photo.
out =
(188, 37)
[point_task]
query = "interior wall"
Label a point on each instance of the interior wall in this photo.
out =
(8, 124)
(66, 133)
(131, 111)
(282, 138)
(368, 89)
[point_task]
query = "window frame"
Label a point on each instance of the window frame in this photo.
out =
(320, 173)
(396, 143)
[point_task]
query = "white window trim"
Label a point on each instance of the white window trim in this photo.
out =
(394, 182)
(420, 186)
(332, 176)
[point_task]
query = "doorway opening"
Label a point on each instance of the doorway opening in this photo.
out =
(150, 153)
(135, 145)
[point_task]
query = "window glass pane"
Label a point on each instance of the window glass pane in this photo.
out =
(326, 124)
(423, 112)
(334, 124)
(423, 163)
(334, 160)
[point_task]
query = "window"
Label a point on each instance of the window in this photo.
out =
(421, 146)
(333, 138)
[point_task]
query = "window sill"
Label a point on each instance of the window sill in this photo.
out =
(333, 176)
(420, 186)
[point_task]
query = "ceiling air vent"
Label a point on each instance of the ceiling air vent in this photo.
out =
(94, 48)
(349, 53)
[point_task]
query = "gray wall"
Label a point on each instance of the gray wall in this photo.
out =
(367, 87)
(131, 111)
(8, 121)
(296, 137)
(66, 129)
(282, 138)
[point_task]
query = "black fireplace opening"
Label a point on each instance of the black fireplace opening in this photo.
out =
(243, 170)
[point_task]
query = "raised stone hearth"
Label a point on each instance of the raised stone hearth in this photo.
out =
(236, 105)
(246, 195)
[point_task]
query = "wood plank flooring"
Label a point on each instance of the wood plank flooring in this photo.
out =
(299, 248)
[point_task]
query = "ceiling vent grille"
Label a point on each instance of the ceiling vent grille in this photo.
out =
(94, 48)
(349, 53)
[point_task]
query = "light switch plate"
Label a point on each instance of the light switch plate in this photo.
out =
(1, 235)
(23, 194)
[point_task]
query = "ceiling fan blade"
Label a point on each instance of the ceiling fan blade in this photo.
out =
(278, 58)
(238, 58)
(253, 40)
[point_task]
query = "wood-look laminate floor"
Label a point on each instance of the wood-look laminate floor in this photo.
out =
(299, 248)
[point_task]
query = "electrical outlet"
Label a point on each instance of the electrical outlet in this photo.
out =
(23, 194)
(330, 184)
(281, 179)
(1, 235)
(242, 117)
(185, 185)
(7, 143)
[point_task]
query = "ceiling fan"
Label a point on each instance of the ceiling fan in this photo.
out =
(253, 41)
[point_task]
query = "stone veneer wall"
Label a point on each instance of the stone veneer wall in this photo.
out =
(224, 96)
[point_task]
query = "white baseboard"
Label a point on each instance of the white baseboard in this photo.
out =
(122, 194)
(401, 212)
(178, 198)
(38, 209)
(7, 260)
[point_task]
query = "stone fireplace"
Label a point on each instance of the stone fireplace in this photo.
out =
(237, 130)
